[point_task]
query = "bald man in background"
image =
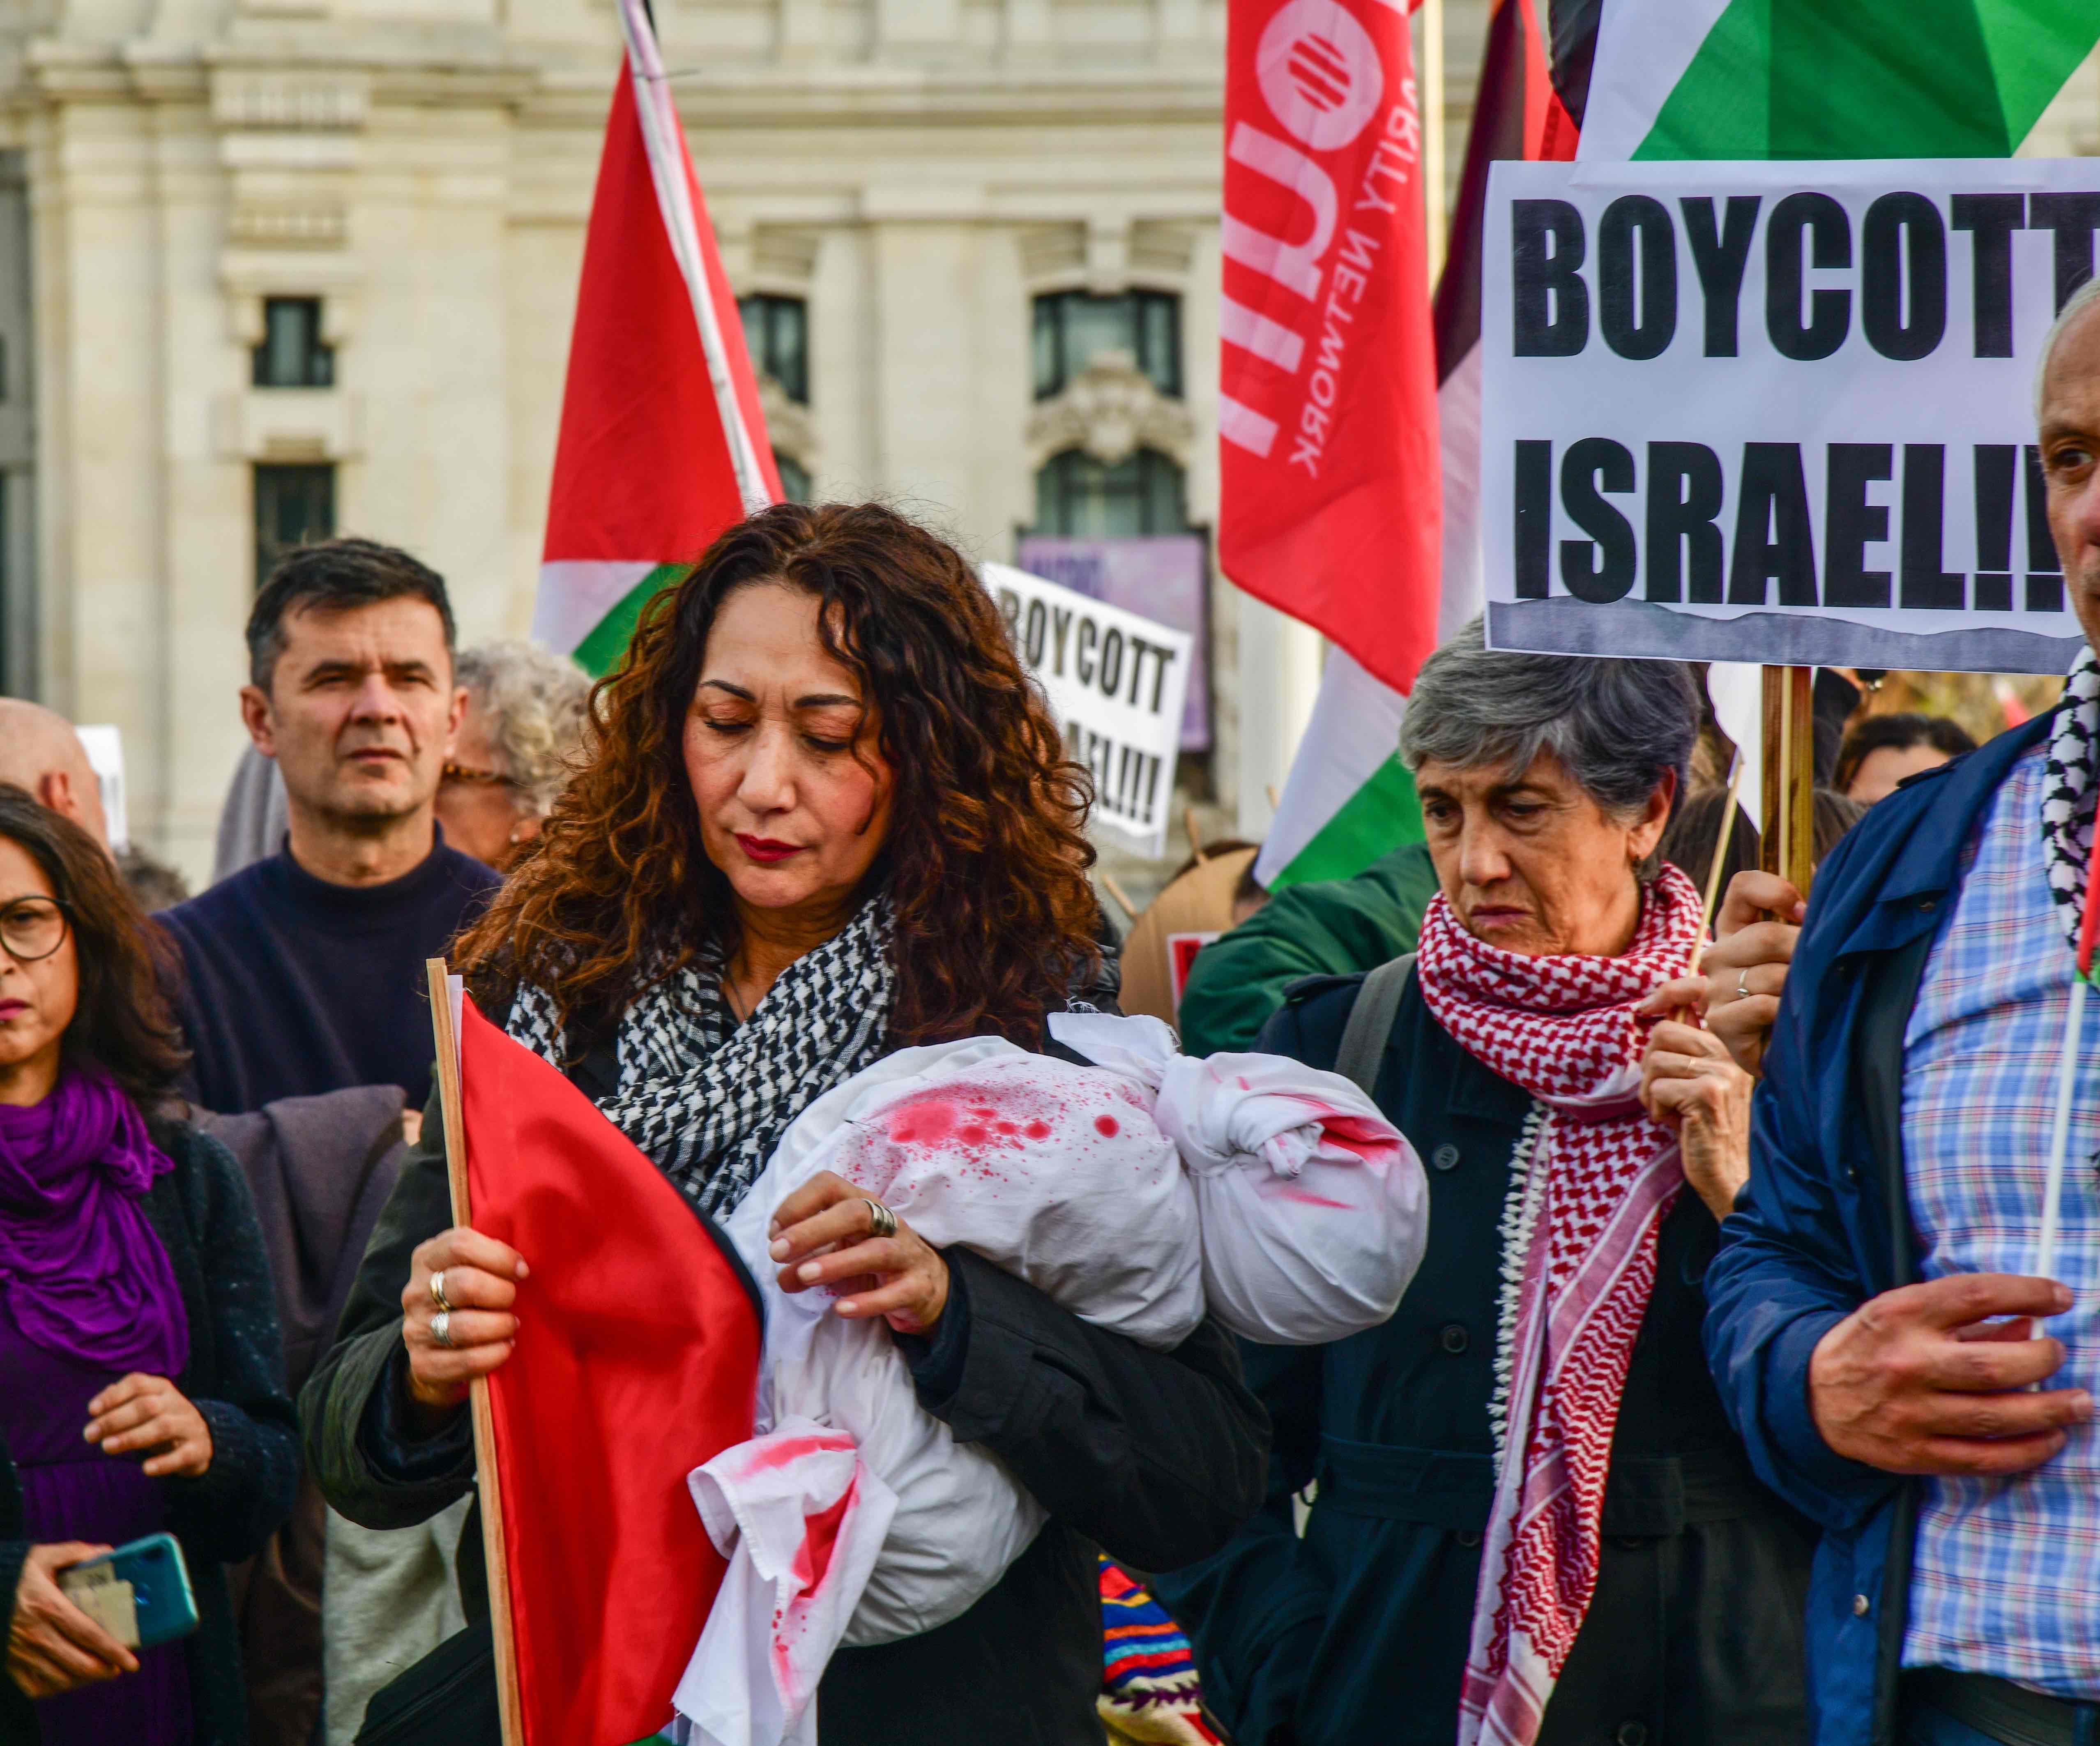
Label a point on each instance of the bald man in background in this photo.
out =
(41, 754)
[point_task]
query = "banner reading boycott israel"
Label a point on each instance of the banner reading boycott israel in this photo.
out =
(1780, 413)
(1116, 683)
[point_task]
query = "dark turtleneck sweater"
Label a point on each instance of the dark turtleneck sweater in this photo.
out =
(295, 986)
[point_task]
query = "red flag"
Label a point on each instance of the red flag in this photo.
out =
(663, 439)
(637, 1361)
(1330, 501)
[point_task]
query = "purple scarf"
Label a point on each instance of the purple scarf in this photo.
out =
(83, 1272)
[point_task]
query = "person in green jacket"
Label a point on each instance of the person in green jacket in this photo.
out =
(1337, 927)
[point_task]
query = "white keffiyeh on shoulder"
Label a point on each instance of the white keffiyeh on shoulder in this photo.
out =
(708, 1099)
(2067, 798)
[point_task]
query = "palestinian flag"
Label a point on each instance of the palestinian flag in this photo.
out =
(663, 442)
(1828, 79)
(1348, 799)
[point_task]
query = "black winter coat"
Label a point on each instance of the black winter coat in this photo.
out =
(1155, 1457)
(1356, 1635)
(236, 1380)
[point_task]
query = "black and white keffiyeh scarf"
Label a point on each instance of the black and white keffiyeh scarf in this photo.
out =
(2066, 799)
(707, 1099)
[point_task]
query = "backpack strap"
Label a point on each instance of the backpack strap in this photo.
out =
(1370, 1021)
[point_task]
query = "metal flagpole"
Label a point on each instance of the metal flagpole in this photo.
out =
(2066, 1081)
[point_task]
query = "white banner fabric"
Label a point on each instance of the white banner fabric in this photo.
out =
(1777, 412)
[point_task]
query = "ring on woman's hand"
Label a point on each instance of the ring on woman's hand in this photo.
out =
(441, 1329)
(437, 1290)
(881, 1220)
(1743, 984)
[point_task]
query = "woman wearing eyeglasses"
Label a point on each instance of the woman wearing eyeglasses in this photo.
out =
(141, 1372)
(523, 732)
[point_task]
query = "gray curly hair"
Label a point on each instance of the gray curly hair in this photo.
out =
(538, 706)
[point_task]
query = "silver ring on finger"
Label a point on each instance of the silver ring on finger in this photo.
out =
(441, 1329)
(437, 1290)
(1742, 983)
(882, 1222)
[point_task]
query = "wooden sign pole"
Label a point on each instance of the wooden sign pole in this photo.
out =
(510, 1713)
(1789, 775)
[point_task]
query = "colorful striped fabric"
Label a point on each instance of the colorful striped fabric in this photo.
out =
(1149, 1688)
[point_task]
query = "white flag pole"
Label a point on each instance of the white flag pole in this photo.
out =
(2059, 1139)
(2067, 1077)
(661, 140)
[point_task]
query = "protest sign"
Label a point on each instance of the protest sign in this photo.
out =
(1116, 683)
(1778, 413)
(1163, 576)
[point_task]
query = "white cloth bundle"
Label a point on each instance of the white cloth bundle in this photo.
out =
(1109, 1187)
(1314, 1209)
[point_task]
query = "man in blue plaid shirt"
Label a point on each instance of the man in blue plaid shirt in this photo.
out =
(1857, 1323)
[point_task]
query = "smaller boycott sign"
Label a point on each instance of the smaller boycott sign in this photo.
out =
(1165, 576)
(1116, 683)
(1777, 412)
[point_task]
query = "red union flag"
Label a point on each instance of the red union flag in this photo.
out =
(1330, 497)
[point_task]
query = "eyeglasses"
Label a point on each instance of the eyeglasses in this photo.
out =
(33, 928)
(475, 778)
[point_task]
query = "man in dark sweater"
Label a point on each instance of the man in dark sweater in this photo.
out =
(304, 972)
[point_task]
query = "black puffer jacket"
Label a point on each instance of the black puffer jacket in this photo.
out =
(1156, 1457)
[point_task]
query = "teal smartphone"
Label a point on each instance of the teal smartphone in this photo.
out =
(146, 1584)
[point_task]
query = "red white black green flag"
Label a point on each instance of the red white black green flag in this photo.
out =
(663, 442)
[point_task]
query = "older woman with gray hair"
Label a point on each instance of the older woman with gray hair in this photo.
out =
(525, 713)
(1530, 1519)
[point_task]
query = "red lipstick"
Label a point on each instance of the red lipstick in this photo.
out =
(764, 850)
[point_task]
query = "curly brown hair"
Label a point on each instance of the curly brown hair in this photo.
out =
(985, 862)
(121, 1023)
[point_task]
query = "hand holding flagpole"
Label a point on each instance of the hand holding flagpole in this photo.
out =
(446, 992)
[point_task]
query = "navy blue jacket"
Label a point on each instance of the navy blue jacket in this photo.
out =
(1824, 1224)
(1355, 1632)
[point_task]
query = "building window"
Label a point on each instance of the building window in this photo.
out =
(1074, 327)
(776, 330)
(794, 477)
(294, 506)
(292, 354)
(1077, 497)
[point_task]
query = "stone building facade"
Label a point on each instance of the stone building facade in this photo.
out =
(288, 265)
(273, 267)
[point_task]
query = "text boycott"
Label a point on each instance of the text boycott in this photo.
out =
(1116, 684)
(1777, 411)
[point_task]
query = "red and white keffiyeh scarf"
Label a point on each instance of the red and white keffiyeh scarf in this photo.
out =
(1579, 1263)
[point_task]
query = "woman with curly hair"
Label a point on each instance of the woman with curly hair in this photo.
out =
(825, 817)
